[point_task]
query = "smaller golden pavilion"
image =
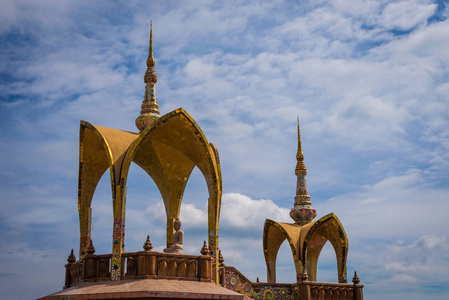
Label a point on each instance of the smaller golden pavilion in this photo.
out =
(306, 238)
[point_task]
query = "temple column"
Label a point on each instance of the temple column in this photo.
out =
(85, 216)
(118, 234)
(213, 235)
(170, 230)
(271, 271)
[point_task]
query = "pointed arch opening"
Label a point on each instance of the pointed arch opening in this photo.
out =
(273, 236)
(145, 212)
(285, 269)
(193, 213)
(328, 228)
(102, 215)
(327, 268)
(95, 158)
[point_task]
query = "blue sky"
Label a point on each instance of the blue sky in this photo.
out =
(369, 80)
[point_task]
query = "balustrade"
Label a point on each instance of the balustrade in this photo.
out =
(139, 265)
(154, 265)
(232, 279)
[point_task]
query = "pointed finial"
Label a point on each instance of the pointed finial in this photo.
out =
(302, 212)
(150, 60)
(356, 279)
(148, 245)
(300, 166)
(205, 249)
(220, 257)
(71, 259)
(257, 280)
(150, 109)
(90, 248)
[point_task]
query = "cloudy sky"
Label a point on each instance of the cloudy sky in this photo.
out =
(369, 80)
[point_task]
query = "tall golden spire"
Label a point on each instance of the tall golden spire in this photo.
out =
(300, 166)
(302, 211)
(150, 109)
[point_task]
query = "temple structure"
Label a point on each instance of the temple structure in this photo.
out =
(306, 238)
(168, 147)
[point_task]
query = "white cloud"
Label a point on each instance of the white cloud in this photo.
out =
(19, 14)
(403, 278)
(445, 12)
(426, 47)
(405, 15)
(356, 8)
(384, 209)
(197, 70)
(408, 262)
(241, 211)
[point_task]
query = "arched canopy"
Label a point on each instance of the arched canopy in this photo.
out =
(274, 235)
(167, 150)
(100, 148)
(306, 242)
(328, 228)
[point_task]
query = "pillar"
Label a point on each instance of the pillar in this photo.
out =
(118, 233)
(85, 216)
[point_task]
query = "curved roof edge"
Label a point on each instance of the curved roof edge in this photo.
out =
(268, 223)
(318, 224)
(85, 124)
(179, 111)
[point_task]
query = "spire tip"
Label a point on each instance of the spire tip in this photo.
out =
(150, 108)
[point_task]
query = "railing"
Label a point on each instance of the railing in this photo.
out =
(73, 273)
(140, 265)
(155, 265)
(232, 279)
(337, 291)
(149, 264)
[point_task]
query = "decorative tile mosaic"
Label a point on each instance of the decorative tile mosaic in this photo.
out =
(118, 246)
(234, 281)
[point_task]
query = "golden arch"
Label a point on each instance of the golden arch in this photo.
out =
(168, 151)
(306, 242)
(273, 236)
(99, 150)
